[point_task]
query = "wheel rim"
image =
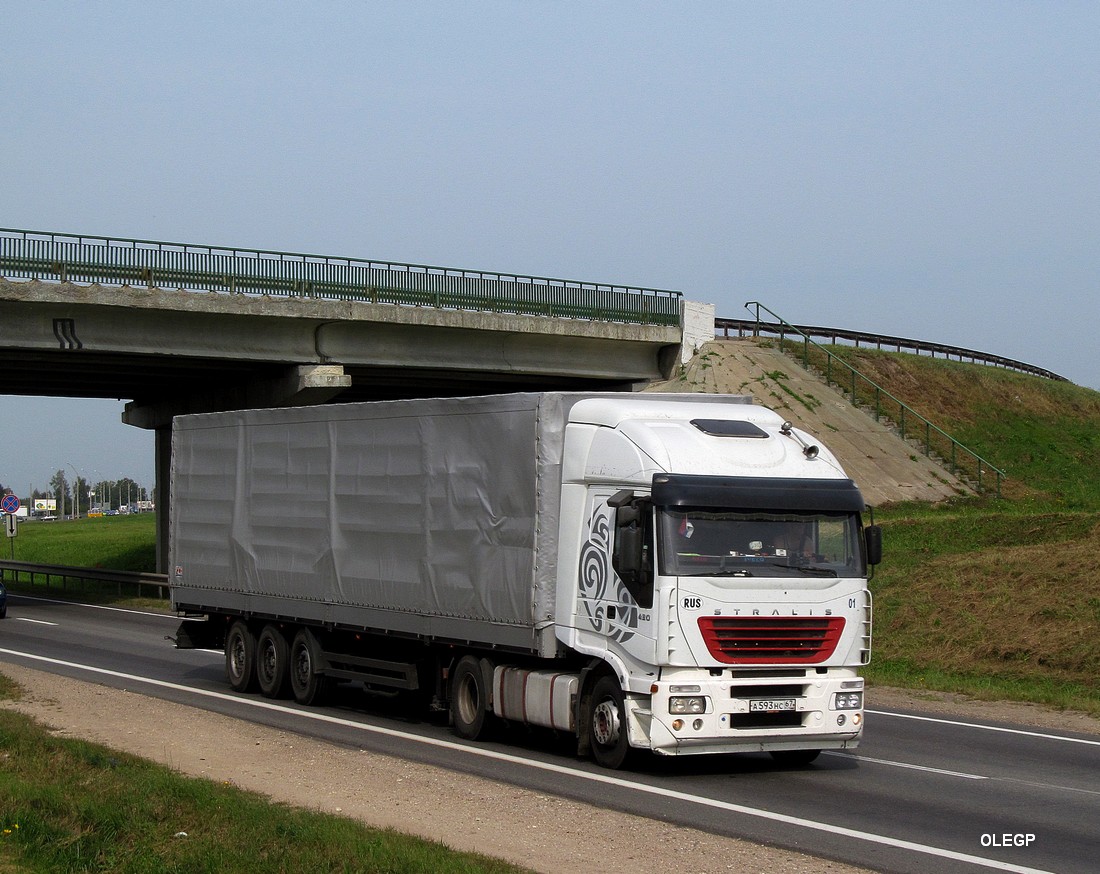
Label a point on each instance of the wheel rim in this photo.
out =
(303, 669)
(237, 655)
(467, 700)
(605, 723)
(268, 660)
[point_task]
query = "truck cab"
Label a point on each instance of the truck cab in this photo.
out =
(720, 575)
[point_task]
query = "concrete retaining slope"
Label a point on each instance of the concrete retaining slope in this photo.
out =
(886, 468)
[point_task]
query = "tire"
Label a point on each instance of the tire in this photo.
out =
(307, 685)
(795, 758)
(272, 663)
(607, 724)
(469, 697)
(240, 657)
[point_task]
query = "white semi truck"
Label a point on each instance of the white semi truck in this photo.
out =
(677, 573)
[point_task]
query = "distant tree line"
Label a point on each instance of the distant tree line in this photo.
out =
(80, 496)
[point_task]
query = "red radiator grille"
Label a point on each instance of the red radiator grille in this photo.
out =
(773, 639)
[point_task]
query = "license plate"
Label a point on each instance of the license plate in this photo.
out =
(772, 705)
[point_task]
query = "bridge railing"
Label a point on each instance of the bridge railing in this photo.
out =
(72, 258)
(865, 392)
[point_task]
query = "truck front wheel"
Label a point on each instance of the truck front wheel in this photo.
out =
(469, 697)
(607, 723)
(240, 657)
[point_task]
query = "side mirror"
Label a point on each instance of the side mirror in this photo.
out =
(631, 555)
(627, 558)
(873, 535)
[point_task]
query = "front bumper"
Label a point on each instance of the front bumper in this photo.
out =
(795, 712)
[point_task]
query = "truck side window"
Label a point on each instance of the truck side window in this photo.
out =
(632, 555)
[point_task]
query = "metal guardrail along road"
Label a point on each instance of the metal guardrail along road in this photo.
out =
(15, 571)
(114, 261)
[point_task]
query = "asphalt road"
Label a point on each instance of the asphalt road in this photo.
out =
(922, 794)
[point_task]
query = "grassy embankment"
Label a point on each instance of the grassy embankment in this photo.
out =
(994, 598)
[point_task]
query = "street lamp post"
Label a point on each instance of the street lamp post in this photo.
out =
(76, 500)
(99, 477)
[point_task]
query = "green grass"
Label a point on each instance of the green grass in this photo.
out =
(121, 543)
(994, 598)
(126, 543)
(71, 806)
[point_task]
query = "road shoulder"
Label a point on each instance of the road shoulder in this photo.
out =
(539, 831)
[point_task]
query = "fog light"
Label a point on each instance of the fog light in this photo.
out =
(698, 724)
(693, 704)
(677, 724)
(857, 719)
(841, 719)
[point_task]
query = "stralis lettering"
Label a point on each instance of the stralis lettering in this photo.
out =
(737, 611)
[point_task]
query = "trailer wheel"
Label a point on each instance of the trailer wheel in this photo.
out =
(607, 723)
(469, 697)
(272, 659)
(240, 657)
(306, 683)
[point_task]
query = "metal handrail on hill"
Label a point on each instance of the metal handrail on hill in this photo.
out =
(947, 447)
(79, 258)
(32, 571)
(917, 347)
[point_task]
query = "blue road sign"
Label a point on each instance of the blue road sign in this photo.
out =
(9, 504)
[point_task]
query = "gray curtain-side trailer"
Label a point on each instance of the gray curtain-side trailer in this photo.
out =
(683, 573)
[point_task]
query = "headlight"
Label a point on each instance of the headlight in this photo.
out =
(848, 701)
(694, 704)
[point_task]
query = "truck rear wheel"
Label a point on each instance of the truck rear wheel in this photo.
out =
(272, 659)
(240, 657)
(607, 723)
(306, 683)
(469, 697)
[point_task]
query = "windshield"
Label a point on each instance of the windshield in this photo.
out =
(710, 542)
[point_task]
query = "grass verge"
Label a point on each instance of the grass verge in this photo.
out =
(71, 806)
(121, 543)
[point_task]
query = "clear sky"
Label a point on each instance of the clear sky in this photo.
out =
(922, 169)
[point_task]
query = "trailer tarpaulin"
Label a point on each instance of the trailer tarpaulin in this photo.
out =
(416, 516)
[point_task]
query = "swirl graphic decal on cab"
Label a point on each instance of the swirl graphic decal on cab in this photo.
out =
(597, 577)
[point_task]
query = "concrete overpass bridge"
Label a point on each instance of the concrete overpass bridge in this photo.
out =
(175, 328)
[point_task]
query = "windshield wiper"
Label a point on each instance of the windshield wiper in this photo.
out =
(809, 569)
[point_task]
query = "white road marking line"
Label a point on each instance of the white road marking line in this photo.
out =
(1023, 731)
(860, 758)
(606, 779)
